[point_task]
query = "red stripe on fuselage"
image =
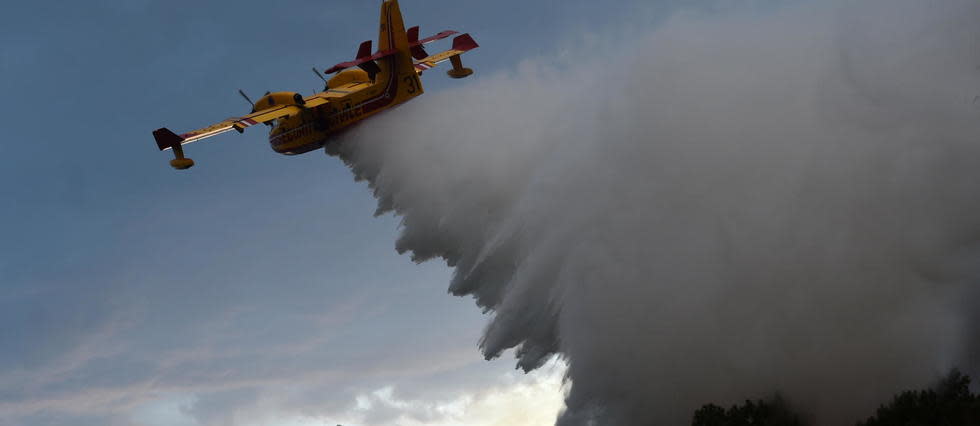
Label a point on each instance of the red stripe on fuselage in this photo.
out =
(387, 98)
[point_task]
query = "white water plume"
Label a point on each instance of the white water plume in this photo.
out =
(726, 208)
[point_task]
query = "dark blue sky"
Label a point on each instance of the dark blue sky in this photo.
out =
(134, 294)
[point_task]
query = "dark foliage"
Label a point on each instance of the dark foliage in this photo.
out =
(949, 404)
(758, 413)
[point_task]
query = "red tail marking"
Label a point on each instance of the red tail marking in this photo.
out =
(414, 45)
(364, 50)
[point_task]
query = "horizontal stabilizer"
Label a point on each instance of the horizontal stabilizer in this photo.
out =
(461, 44)
(439, 36)
(418, 52)
(344, 65)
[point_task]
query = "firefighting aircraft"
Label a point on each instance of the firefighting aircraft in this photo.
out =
(371, 83)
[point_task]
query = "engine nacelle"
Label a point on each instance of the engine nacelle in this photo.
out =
(278, 98)
(347, 76)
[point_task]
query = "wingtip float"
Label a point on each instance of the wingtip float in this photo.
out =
(373, 82)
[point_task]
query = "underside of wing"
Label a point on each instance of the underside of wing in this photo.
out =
(166, 140)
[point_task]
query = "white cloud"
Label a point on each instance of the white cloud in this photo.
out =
(518, 399)
(515, 399)
(167, 411)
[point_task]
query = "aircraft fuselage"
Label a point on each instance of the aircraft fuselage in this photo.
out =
(346, 105)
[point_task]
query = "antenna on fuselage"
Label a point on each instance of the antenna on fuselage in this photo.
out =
(240, 92)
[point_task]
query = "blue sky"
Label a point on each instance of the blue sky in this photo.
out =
(255, 284)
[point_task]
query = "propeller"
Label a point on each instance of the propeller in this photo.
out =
(241, 92)
(249, 100)
(319, 75)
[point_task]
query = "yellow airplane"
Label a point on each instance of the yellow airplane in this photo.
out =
(371, 83)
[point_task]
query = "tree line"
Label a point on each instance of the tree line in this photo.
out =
(949, 403)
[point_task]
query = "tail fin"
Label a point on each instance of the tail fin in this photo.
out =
(399, 66)
(392, 35)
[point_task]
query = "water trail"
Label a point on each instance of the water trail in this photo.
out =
(727, 207)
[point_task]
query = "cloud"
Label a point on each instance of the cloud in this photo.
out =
(533, 399)
(511, 399)
(728, 206)
(223, 368)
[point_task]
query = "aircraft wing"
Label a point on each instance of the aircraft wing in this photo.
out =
(461, 44)
(166, 139)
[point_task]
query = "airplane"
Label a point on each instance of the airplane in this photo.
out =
(373, 82)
